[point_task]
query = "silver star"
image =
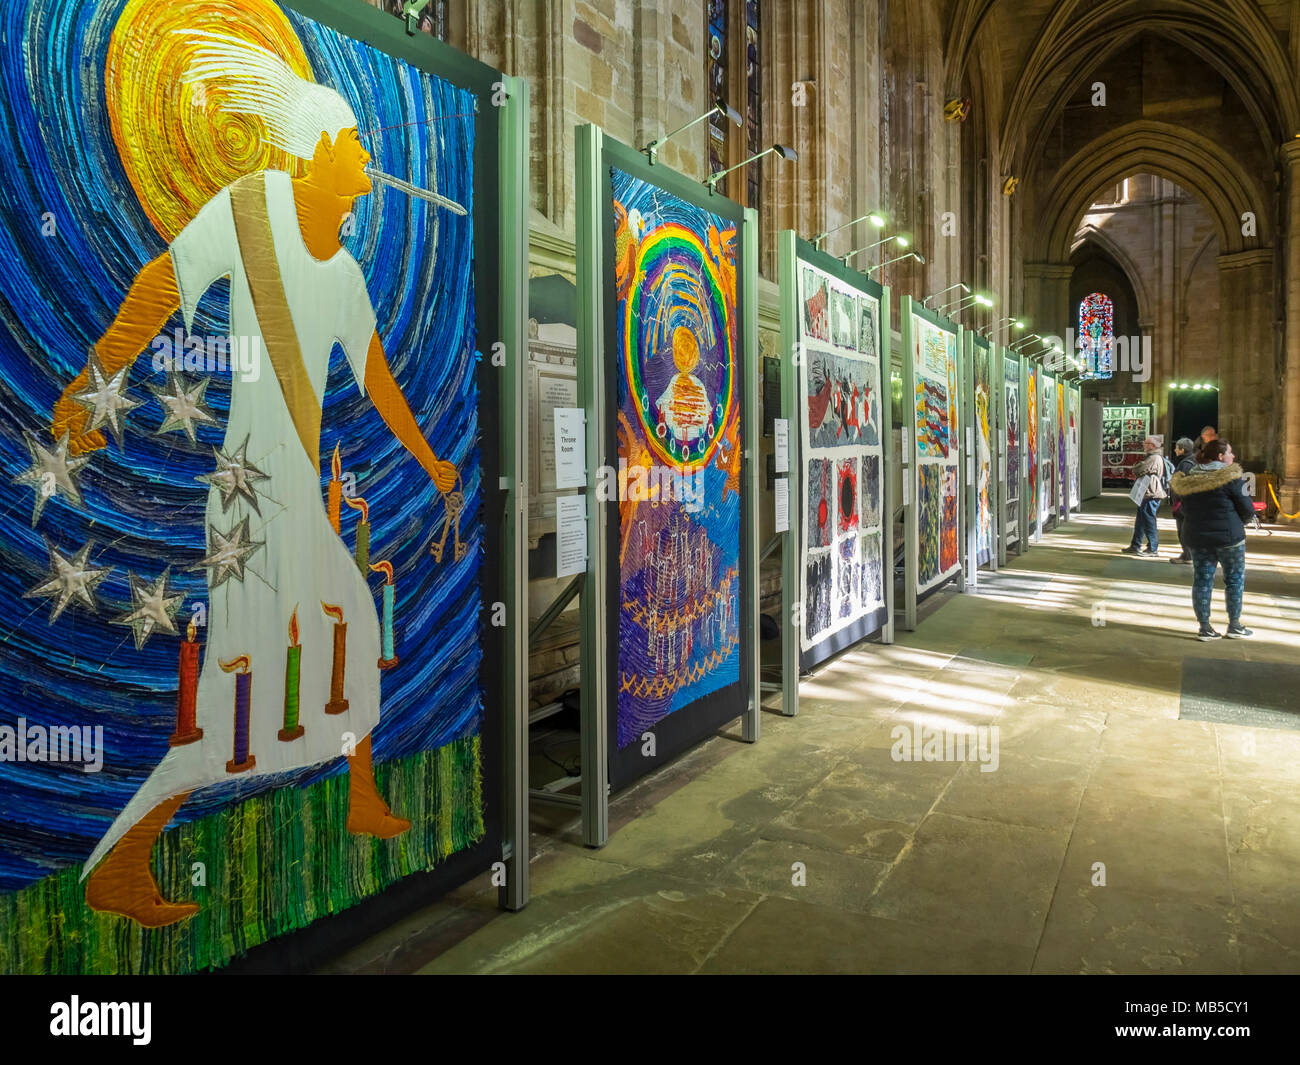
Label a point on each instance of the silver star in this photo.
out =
(151, 607)
(183, 407)
(229, 552)
(50, 473)
(105, 398)
(70, 578)
(234, 476)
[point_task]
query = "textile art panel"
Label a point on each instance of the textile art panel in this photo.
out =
(241, 579)
(983, 374)
(1032, 515)
(1072, 446)
(1011, 419)
(678, 421)
(1062, 434)
(839, 373)
(937, 451)
(1048, 493)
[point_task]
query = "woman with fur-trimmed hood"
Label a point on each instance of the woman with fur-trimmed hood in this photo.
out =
(1215, 508)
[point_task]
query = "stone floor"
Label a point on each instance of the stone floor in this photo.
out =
(1075, 653)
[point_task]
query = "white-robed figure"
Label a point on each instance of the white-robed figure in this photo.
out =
(271, 548)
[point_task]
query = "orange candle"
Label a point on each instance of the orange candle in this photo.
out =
(186, 730)
(335, 491)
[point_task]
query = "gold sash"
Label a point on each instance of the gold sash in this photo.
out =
(279, 338)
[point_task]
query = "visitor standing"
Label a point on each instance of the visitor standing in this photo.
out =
(1184, 460)
(1153, 469)
(1215, 509)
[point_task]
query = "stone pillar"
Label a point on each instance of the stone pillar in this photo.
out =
(1047, 298)
(1247, 407)
(1289, 429)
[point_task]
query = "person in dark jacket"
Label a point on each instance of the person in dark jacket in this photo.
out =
(1215, 510)
(1144, 525)
(1184, 460)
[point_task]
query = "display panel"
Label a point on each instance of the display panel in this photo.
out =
(843, 535)
(983, 382)
(937, 435)
(1123, 429)
(252, 583)
(1048, 498)
(674, 352)
(1072, 448)
(1014, 445)
(1033, 516)
(1062, 459)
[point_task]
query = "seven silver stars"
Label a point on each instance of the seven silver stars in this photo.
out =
(70, 578)
(235, 476)
(151, 607)
(106, 398)
(183, 407)
(51, 472)
(229, 552)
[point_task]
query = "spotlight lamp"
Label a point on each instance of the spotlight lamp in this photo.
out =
(784, 151)
(942, 292)
(720, 107)
(899, 258)
(1025, 340)
(876, 218)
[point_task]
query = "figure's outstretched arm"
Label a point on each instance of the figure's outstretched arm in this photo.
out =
(392, 406)
(148, 307)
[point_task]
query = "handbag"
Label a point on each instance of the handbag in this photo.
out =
(1139, 492)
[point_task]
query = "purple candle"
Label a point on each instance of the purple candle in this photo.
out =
(242, 668)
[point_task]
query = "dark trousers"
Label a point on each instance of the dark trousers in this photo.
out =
(1144, 525)
(1178, 520)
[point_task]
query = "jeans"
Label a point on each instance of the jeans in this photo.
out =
(1144, 525)
(1204, 561)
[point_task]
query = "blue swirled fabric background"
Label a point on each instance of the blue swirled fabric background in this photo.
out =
(143, 508)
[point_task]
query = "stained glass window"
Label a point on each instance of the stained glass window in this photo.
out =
(744, 95)
(717, 70)
(753, 109)
(1096, 337)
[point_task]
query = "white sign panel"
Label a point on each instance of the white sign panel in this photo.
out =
(783, 504)
(570, 448)
(781, 434)
(570, 535)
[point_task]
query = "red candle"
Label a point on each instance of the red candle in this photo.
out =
(241, 666)
(186, 730)
(337, 703)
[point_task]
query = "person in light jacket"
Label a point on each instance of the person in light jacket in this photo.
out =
(1144, 525)
(1215, 510)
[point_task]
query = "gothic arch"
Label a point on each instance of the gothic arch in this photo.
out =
(1090, 234)
(1174, 152)
(1232, 35)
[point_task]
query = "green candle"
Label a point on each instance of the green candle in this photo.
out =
(363, 546)
(292, 671)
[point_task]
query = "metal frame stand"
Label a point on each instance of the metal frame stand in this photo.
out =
(791, 540)
(596, 652)
(909, 469)
(513, 129)
(589, 245)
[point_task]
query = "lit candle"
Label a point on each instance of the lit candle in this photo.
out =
(292, 671)
(242, 668)
(337, 703)
(186, 729)
(387, 658)
(363, 531)
(335, 490)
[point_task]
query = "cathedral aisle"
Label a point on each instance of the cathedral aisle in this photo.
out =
(1132, 808)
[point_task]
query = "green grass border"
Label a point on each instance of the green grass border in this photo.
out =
(274, 864)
